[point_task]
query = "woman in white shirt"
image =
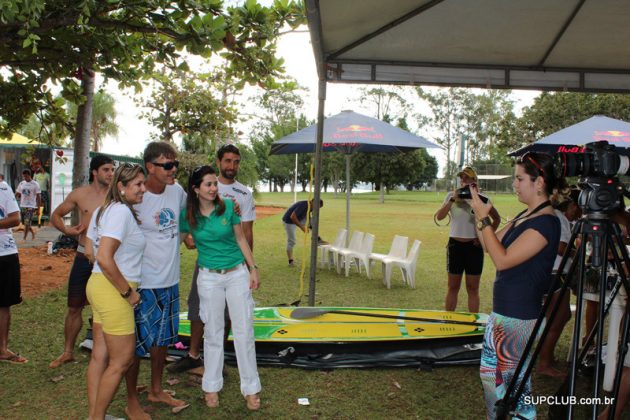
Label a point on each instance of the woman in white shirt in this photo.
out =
(463, 252)
(116, 244)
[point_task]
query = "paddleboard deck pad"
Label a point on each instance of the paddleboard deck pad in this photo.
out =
(350, 340)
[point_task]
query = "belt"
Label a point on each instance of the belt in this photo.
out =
(222, 271)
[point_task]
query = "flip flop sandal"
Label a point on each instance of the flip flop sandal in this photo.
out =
(15, 359)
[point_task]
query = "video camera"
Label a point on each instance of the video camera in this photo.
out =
(598, 167)
(463, 193)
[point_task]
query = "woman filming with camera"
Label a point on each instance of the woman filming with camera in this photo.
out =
(523, 252)
(463, 252)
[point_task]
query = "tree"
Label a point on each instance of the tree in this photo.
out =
(45, 42)
(279, 116)
(195, 105)
(446, 106)
(484, 121)
(103, 118)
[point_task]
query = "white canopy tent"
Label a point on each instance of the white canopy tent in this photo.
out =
(565, 45)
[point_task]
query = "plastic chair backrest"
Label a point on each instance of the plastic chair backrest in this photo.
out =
(414, 251)
(355, 240)
(340, 240)
(367, 244)
(399, 247)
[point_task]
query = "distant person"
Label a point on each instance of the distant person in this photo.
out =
(463, 252)
(117, 248)
(226, 272)
(43, 180)
(29, 195)
(157, 317)
(10, 286)
(85, 200)
(228, 161)
(523, 253)
(296, 217)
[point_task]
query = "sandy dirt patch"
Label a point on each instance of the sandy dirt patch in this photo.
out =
(42, 272)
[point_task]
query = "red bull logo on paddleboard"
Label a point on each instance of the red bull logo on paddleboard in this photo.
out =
(356, 131)
(612, 136)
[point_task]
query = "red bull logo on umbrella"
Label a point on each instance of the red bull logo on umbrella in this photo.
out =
(356, 131)
(612, 136)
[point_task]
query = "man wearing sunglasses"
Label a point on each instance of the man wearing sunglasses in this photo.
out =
(157, 316)
(228, 163)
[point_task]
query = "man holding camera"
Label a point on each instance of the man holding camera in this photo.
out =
(464, 252)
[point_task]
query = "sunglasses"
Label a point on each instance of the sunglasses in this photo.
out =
(168, 165)
(533, 161)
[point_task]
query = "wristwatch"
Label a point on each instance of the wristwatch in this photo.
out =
(126, 294)
(484, 223)
(251, 268)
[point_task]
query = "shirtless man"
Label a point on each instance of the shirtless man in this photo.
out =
(86, 199)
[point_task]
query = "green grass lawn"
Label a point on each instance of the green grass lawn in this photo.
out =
(34, 391)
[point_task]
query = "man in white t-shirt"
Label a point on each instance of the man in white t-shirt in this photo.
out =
(10, 287)
(29, 194)
(228, 163)
(157, 316)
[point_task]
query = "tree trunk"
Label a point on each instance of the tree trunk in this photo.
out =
(381, 196)
(82, 136)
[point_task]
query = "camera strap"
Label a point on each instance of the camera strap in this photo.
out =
(522, 214)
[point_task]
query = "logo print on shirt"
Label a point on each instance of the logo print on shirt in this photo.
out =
(165, 218)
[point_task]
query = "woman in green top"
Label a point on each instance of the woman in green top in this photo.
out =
(226, 273)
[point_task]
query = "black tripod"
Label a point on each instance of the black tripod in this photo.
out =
(605, 236)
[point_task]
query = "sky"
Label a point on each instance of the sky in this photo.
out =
(296, 49)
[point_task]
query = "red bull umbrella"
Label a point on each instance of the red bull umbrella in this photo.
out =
(349, 132)
(572, 139)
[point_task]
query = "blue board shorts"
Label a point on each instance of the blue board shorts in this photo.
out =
(157, 318)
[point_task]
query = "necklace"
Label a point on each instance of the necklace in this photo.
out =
(521, 215)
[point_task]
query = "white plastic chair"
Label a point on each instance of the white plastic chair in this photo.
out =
(407, 265)
(363, 255)
(343, 253)
(397, 250)
(325, 249)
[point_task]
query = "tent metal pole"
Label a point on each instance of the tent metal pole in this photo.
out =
(317, 185)
(348, 157)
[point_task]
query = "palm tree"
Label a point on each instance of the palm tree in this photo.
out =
(103, 118)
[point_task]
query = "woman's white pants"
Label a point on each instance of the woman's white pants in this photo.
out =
(214, 290)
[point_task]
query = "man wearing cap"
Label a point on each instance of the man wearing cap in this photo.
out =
(463, 252)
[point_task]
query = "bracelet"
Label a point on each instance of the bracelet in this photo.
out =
(252, 268)
(126, 294)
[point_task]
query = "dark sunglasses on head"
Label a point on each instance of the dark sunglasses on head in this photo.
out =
(168, 165)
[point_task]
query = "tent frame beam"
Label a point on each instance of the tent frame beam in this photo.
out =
(561, 33)
(384, 28)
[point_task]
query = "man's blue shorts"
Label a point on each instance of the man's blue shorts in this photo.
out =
(157, 318)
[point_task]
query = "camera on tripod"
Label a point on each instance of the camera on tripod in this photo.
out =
(463, 193)
(598, 168)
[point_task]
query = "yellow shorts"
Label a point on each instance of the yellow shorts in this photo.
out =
(110, 309)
